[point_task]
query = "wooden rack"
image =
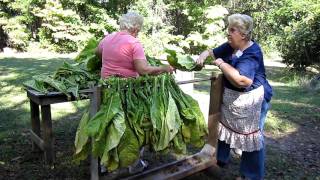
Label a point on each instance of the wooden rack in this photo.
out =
(180, 168)
(44, 142)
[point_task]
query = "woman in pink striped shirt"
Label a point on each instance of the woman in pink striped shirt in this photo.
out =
(123, 55)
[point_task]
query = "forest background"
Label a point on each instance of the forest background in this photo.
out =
(291, 27)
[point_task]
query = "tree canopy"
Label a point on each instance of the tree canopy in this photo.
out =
(187, 25)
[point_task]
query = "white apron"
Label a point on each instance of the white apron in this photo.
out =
(240, 116)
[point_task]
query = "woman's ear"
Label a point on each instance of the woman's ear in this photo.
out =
(243, 36)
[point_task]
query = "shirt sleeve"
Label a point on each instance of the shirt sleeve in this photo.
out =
(138, 52)
(247, 66)
(222, 51)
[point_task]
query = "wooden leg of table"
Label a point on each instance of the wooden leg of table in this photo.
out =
(47, 133)
(35, 122)
(94, 168)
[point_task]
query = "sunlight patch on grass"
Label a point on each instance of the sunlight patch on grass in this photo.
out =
(277, 125)
(12, 97)
(62, 109)
(9, 76)
(288, 103)
(12, 100)
(272, 83)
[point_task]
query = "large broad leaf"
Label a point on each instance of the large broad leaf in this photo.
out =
(88, 56)
(170, 125)
(114, 134)
(82, 144)
(39, 86)
(103, 117)
(182, 62)
(128, 148)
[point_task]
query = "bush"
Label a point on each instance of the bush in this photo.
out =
(17, 33)
(62, 30)
(299, 41)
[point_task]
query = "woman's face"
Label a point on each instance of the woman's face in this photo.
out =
(235, 37)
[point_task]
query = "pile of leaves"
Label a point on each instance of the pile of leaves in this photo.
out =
(149, 110)
(68, 79)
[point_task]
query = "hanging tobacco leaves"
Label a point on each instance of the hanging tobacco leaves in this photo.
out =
(135, 112)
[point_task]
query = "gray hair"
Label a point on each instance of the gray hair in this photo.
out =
(131, 21)
(243, 23)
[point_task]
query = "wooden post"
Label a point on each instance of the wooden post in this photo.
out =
(47, 134)
(95, 101)
(214, 109)
(35, 123)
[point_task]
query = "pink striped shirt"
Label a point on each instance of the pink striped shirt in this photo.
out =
(119, 50)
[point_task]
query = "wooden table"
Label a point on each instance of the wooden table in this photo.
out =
(44, 141)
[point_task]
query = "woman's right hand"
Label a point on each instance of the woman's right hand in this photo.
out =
(168, 69)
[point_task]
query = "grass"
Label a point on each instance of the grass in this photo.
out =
(294, 108)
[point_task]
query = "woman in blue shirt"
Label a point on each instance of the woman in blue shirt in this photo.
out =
(246, 97)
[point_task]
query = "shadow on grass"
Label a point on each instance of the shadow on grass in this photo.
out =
(17, 161)
(20, 162)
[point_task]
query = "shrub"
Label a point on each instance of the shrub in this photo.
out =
(299, 40)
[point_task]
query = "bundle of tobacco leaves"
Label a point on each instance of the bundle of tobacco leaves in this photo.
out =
(134, 112)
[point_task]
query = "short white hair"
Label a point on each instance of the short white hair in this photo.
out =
(243, 23)
(131, 21)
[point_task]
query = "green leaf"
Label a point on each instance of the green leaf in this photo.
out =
(182, 62)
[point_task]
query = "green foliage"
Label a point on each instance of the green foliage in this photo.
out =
(299, 35)
(264, 26)
(88, 56)
(69, 78)
(17, 32)
(187, 25)
(61, 29)
(182, 62)
(213, 31)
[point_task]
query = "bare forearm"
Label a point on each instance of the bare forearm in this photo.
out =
(152, 70)
(233, 75)
(143, 68)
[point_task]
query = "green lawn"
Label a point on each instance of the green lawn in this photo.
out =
(294, 111)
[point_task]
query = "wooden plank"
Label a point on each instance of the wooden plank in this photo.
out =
(52, 97)
(214, 109)
(37, 140)
(35, 123)
(47, 133)
(196, 80)
(177, 169)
